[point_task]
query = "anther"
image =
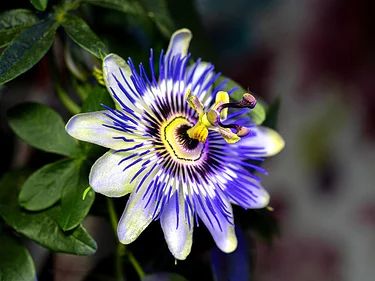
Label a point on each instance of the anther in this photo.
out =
(248, 100)
(241, 131)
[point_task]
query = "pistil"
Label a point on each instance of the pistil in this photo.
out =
(212, 119)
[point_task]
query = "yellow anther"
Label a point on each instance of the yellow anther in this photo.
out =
(221, 98)
(199, 132)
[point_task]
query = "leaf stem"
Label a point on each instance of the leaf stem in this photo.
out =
(136, 265)
(121, 248)
(69, 104)
(112, 214)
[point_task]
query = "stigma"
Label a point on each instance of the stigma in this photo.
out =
(212, 119)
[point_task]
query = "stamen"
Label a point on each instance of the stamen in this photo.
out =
(248, 101)
(211, 119)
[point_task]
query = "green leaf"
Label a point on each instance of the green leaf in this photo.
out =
(258, 114)
(16, 263)
(43, 128)
(26, 49)
(44, 187)
(81, 33)
(42, 226)
(40, 5)
(66, 180)
(95, 96)
(43, 229)
(73, 207)
(13, 22)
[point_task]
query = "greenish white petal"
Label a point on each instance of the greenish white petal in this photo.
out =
(108, 178)
(179, 43)
(265, 138)
(177, 231)
(136, 217)
(89, 127)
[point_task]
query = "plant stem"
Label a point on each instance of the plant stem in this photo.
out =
(112, 214)
(120, 250)
(69, 104)
(136, 265)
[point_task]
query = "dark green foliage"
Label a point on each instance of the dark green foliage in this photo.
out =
(95, 97)
(27, 49)
(42, 227)
(16, 263)
(44, 187)
(74, 208)
(12, 22)
(81, 33)
(40, 5)
(43, 128)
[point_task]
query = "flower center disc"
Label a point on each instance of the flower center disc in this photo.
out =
(176, 140)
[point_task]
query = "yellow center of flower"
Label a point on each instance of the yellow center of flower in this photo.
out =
(177, 141)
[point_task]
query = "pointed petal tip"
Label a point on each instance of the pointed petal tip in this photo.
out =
(277, 141)
(180, 255)
(178, 233)
(126, 236)
(263, 200)
(180, 247)
(266, 138)
(179, 43)
(69, 126)
(229, 245)
(185, 31)
(106, 176)
(77, 125)
(111, 63)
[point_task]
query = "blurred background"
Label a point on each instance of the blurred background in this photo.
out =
(314, 61)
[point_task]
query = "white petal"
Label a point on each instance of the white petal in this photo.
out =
(89, 127)
(107, 176)
(114, 67)
(177, 232)
(267, 140)
(224, 235)
(137, 215)
(179, 43)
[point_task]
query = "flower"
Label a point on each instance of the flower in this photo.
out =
(170, 149)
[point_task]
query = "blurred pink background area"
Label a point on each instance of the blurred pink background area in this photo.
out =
(318, 57)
